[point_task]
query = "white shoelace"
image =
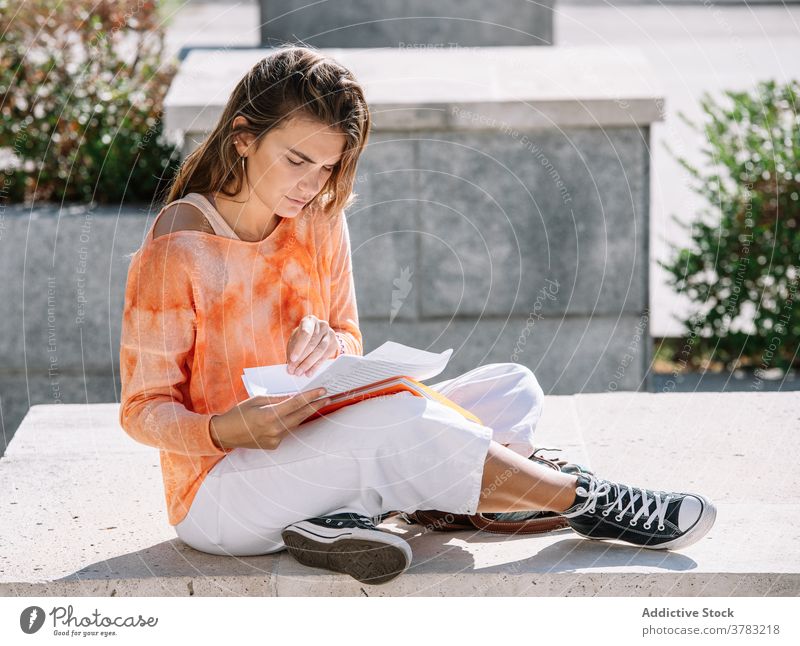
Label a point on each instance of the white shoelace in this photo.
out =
(599, 487)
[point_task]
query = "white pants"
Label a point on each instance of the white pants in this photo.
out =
(393, 453)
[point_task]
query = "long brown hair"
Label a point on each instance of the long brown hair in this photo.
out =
(293, 81)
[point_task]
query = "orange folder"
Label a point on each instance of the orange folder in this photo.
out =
(388, 387)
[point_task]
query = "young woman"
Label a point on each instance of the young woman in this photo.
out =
(249, 264)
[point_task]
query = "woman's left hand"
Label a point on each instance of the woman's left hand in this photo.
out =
(309, 345)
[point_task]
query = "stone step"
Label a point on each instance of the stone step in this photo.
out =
(84, 515)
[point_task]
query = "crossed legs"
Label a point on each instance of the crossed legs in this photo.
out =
(514, 483)
(508, 398)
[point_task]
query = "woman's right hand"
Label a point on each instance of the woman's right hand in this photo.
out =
(261, 422)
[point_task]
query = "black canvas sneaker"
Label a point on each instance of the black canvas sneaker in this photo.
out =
(652, 519)
(348, 543)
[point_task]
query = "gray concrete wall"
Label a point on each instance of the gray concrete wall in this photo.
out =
(389, 23)
(509, 222)
(62, 303)
(527, 247)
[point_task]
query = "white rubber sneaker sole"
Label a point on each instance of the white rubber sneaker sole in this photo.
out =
(369, 556)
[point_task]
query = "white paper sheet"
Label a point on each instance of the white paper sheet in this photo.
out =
(348, 371)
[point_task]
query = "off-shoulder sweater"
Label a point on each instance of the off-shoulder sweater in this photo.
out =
(201, 307)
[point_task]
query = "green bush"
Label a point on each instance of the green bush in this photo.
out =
(81, 90)
(742, 267)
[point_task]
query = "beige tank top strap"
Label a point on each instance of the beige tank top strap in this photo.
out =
(217, 222)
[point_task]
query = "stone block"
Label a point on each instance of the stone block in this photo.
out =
(411, 23)
(383, 230)
(74, 525)
(502, 214)
(64, 303)
(567, 354)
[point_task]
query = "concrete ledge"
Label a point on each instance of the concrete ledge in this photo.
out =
(84, 514)
(431, 88)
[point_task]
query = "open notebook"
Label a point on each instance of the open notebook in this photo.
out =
(349, 379)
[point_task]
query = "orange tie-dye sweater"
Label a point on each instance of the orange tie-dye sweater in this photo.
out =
(199, 308)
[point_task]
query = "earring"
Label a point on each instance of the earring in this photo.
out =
(242, 158)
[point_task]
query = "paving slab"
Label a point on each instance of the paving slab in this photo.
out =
(83, 512)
